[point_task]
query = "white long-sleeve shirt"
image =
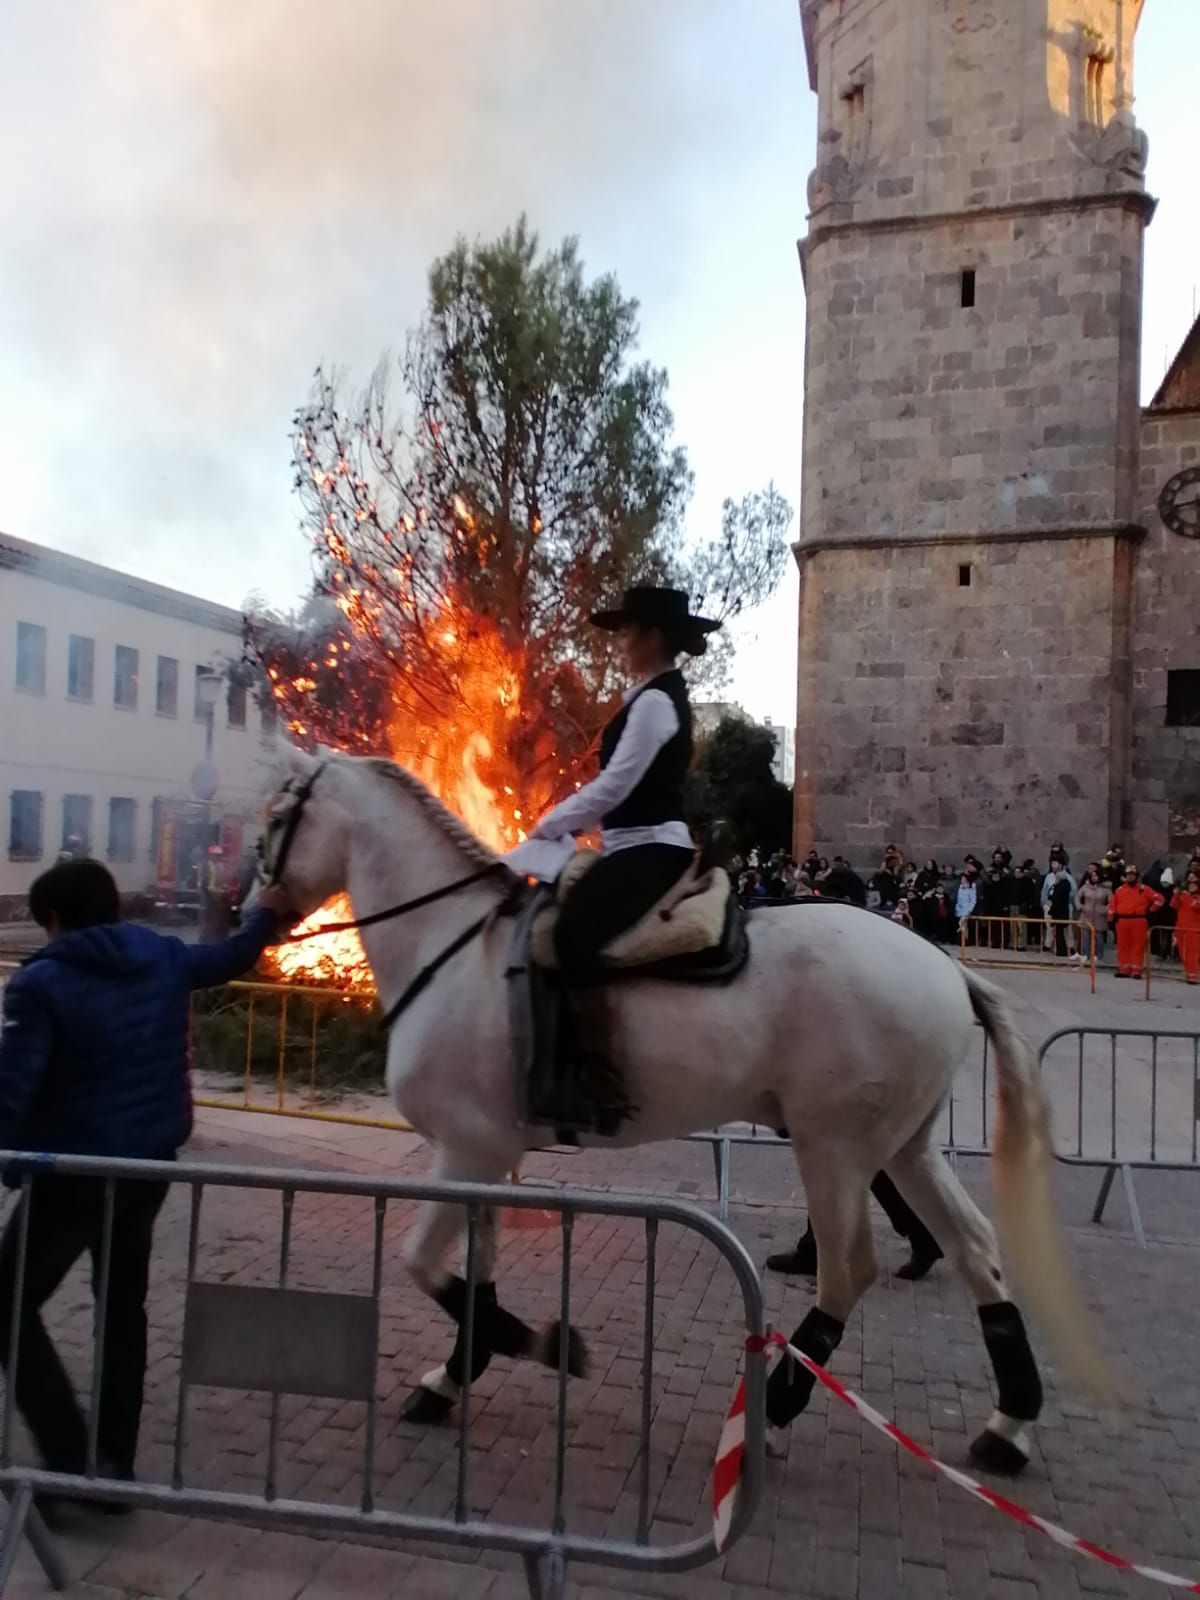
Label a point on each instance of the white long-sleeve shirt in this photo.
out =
(652, 723)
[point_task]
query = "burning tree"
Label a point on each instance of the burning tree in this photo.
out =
(463, 534)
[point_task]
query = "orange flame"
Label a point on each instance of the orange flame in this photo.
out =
(461, 748)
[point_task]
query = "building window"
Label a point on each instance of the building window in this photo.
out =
(121, 818)
(31, 658)
(25, 826)
(77, 824)
(1183, 698)
(236, 705)
(81, 667)
(968, 287)
(125, 678)
(167, 694)
(964, 575)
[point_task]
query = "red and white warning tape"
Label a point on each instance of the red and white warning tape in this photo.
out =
(728, 1466)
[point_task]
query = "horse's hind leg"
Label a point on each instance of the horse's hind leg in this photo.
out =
(968, 1238)
(494, 1329)
(837, 1207)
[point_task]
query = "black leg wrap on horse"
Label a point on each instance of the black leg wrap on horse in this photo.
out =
(452, 1297)
(790, 1385)
(482, 1336)
(1018, 1383)
(495, 1331)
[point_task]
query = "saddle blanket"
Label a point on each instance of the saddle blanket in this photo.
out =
(692, 916)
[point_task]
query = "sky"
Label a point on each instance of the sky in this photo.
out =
(202, 202)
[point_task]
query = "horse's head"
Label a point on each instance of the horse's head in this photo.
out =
(305, 842)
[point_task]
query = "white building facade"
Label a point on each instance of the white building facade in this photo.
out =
(103, 726)
(783, 763)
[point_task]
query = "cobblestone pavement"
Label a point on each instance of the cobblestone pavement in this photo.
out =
(845, 1516)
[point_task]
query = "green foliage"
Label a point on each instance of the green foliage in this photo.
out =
(525, 475)
(732, 781)
(322, 1042)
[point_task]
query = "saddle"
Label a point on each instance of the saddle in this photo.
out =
(568, 1075)
(689, 935)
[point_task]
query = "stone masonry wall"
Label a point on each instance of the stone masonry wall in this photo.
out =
(952, 718)
(924, 417)
(1166, 761)
(963, 137)
(936, 106)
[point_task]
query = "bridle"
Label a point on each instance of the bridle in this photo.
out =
(272, 875)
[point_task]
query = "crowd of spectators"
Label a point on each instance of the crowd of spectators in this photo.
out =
(1004, 902)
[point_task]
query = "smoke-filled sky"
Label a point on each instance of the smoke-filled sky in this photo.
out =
(202, 201)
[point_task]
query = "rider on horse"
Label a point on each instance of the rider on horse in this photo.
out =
(637, 799)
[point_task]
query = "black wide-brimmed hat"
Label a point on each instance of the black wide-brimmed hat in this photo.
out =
(654, 607)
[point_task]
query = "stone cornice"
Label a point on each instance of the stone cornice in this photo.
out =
(1132, 531)
(1135, 201)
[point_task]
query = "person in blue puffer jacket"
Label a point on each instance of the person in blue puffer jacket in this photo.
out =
(94, 1062)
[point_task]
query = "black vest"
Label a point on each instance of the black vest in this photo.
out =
(659, 796)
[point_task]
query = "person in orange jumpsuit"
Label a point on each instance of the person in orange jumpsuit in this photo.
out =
(1186, 905)
(1130, 906)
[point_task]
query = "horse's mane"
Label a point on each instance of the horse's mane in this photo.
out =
(455, 830)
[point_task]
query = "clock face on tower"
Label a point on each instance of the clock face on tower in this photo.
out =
(1179, 503)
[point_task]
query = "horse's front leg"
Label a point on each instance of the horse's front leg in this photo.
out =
(494, 1330)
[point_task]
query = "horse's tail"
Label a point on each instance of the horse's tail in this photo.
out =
(1022, 1157)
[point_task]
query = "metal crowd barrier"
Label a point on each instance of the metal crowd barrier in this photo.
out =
(1116, 1124)
(281, 1340)
(1028, 944)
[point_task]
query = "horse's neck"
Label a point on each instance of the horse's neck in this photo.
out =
(399, 853)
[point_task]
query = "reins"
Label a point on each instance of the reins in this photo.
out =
(390, 913)
(400, 910)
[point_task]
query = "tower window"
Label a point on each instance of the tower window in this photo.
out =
(964, 575)
(1183, 698)
(968, 286)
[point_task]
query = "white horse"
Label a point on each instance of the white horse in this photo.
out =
(844, 1027)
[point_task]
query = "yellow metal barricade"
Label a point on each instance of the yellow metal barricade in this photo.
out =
(1028, 944)
(275, 1031)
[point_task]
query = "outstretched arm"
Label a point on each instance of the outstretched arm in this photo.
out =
(208, 965)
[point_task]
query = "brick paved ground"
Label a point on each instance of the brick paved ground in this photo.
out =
(844, 1516)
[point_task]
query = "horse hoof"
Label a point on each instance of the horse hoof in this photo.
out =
(551, 1348)
(992, 1453)
(425, 1407)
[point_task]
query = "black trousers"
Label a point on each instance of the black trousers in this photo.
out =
(612, 896)
(67, 1218)
(902, 1217)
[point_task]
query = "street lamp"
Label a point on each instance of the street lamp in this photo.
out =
(208, 691)
(204, 778)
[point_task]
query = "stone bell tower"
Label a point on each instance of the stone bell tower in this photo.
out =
(973, 269)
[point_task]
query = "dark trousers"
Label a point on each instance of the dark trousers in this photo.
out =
(900, 1214)
(902, 1217)
(67, 1218)
(611, 897)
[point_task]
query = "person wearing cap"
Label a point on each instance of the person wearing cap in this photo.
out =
(1129, 913)
(636, 801)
